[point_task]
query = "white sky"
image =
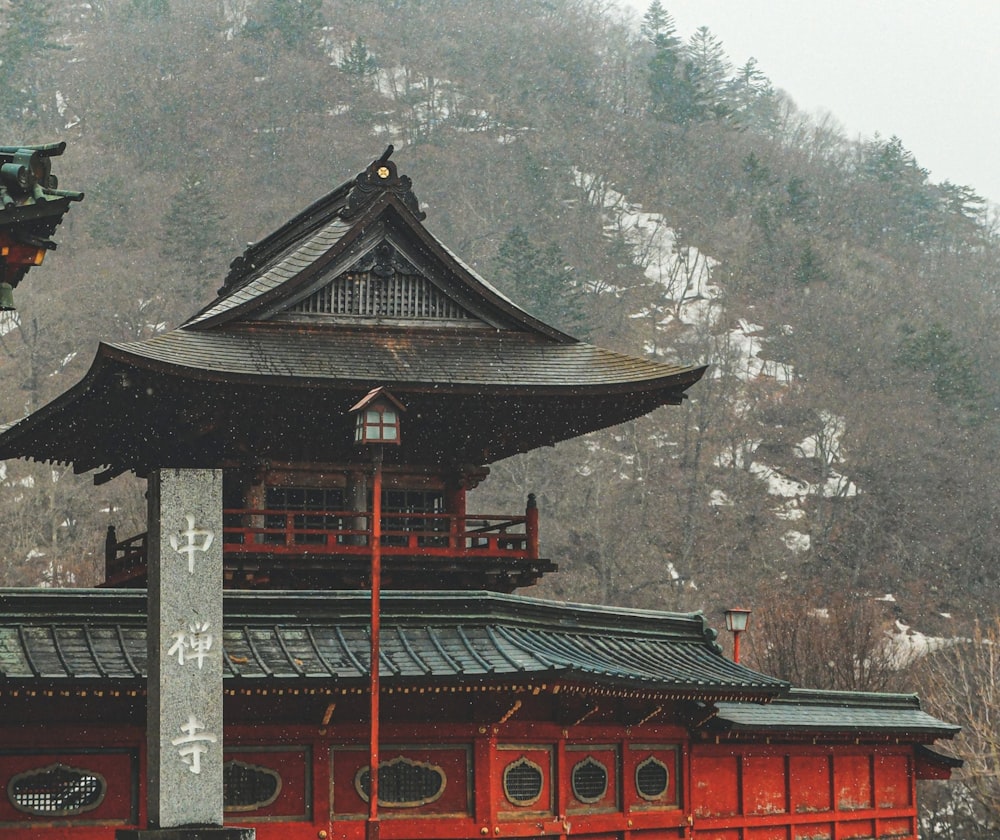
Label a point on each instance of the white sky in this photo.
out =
(925, 70)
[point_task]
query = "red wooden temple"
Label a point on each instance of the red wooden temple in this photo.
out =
(502, 715)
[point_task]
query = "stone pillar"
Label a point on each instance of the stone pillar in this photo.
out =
(184, 702)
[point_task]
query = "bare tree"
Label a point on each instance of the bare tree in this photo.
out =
(962, 683)
(837, 641)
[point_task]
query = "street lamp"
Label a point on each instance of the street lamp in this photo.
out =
(376, 425)
(737, 619)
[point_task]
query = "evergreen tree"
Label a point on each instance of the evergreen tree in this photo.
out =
(672, 96)
(658, 26)
(936, 352)
(193, 230)
(358, 63)
(538, 280)
(751, 98)
(295, 23)
(708, 70)
(904, 202)
(26, 30)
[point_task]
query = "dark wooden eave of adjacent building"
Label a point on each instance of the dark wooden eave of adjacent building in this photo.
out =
(31, 207)
(252, 377)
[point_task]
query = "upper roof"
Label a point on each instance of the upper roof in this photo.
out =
(351, 294)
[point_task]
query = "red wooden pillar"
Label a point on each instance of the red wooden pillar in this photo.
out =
(531, 526)
(485, 782)
(562, 780)
(457, 509)
(375, 525)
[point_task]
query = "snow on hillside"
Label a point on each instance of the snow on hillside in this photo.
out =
(691, 300)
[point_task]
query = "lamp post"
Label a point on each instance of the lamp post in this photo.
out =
(737, 619)
(376, 425)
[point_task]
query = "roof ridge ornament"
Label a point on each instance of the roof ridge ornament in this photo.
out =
(381, 176)
(31, 208)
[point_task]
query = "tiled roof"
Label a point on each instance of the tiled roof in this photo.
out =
(440, 357)
(216, 388)
(66, 636)
(834, 712)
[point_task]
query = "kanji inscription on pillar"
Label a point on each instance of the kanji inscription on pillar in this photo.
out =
(184, 728)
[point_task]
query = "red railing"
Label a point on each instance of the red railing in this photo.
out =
(347, 533)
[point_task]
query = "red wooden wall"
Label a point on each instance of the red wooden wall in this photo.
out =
(704, 792)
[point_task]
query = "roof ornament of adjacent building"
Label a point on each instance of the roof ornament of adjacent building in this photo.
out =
(31, 207)
(379, 177)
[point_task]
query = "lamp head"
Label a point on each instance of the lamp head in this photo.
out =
(737, 619)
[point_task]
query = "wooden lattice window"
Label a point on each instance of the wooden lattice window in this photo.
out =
(652, 778)
(247, 787)
(318, 506)
(589, 780)
(56, 791)
(522, 782)
(403, 783)
(367, 294)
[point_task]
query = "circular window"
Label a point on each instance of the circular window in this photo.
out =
(522, 782)
(56, 790)
(651, 779)
(246, 787)
(590, 780)
(403, 783)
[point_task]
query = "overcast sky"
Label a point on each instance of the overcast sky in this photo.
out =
(925, 70)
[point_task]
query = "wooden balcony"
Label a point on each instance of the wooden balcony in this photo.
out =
(332, 550)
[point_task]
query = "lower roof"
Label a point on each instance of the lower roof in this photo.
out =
(84, 638)
(833, 712)
(65, 637)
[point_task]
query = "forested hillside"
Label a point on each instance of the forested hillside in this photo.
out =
(636, 186)
(633, 184)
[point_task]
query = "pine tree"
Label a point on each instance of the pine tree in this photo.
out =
(193, 230)
(671, 93)
(751, 97)
(358, 63)
(538, 280)
(658, 26)
(296, 23)
(26, 30)
(708, 71)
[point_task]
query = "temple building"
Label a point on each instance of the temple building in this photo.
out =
(349, 387)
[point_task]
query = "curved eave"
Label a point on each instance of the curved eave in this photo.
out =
(437, 359)
(13, 438)
(154, 404)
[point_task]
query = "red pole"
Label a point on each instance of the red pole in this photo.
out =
(375, 530)
(736, 645)
(531, 526)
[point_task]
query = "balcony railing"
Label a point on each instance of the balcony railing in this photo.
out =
(346, 534)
